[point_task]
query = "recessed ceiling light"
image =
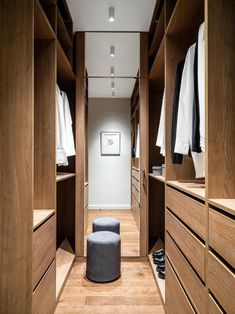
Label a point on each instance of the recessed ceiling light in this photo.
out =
(111, 14)
(112, 71)
(112, 85)
(112, 51)
(113, 95)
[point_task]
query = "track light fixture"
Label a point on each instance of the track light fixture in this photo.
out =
(112, 71)
(112, 51)
(111, 14)
(113, 94)
(112, 85)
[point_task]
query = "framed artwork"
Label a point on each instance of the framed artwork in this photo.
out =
(110, 143)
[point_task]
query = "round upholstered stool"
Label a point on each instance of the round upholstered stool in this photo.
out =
(103, 256)
(106, 224)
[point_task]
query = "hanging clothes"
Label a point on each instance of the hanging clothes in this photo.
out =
(176, 158)
(184, 129)
(137, 151)
(161, 129)
(64, 133)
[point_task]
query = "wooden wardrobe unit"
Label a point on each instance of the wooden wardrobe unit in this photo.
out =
(39, 222)
(199, 233)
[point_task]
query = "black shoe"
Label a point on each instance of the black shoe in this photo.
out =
(159, 254)
(159, 263)
(159, 259)
(160, 267)
(161, 274)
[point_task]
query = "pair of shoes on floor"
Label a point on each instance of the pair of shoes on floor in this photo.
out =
(159, 260)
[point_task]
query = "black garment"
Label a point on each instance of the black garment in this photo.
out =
(176, 158)
(196, 115)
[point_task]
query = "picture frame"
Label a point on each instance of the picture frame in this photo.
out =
(110, 143)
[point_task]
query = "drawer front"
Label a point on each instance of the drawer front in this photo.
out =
(86, 196)
(135, 210)
(222, 235)
(136, 184)
(221, 282)
(44, 296)
(176, 299)
(192, 248)
(213, 307)
(136, 174)
(44, 248)
(193, 286)
(136, 193)
(193, 213)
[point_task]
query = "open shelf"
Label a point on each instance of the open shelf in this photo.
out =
(159, 178)
(156, 74)
(64, 69)
(60, 176)
(195, 189)
(64, 262)
(160, 282)
(41, 215)
(62, 32)
(42, 27)
(227, 205)
(180, 23)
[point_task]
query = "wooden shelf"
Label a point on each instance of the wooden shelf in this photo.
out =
(41, 215)
(42, 27)
(64, 69)
(183, 15)
(228, 205)
(158, 35)
(156, 74)
(64, 262)
(60, 176)
(160, 282)
(62, 32)
(195, 189)
(159, 178)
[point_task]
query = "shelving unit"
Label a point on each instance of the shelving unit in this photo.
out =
(60, 176)
(159, 178)
(64, 69)
(156, 73)
(40, 216)
(42, 27)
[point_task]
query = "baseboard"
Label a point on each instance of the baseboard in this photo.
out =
(110, 207)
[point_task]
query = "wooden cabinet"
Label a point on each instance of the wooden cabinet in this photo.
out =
(189, 244)
(213, 306)
(192, 212)
(222, 235)
(44, 248)
(135, 195)
(44, 297)
(221, 283)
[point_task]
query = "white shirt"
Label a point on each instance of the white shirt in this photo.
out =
(161, 129)
(185, 115)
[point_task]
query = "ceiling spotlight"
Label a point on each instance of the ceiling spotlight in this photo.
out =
(111, 14)
(112, 51)
(112, 71)
(112, 85)
(113, 94)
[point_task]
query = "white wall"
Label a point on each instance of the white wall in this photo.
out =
(109, 176)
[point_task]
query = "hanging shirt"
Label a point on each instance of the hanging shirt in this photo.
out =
(161, 129)
(183, 141)
(137, 151)
(201, 83)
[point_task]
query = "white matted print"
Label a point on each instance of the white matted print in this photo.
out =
(110, 143)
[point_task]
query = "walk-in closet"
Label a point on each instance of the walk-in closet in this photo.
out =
(117, 142)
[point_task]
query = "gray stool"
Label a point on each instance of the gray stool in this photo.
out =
(106, 224)
(103, 256)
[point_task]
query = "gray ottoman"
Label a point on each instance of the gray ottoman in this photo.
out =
(103, 256)
(106, 224)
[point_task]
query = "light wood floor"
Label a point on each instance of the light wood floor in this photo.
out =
(128, 229)
(134, 293)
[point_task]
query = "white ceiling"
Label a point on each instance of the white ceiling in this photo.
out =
(130, 16)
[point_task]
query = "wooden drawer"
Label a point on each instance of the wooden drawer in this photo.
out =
(189, 280)
(176, 299)
(135, 174)
(135, 210)
(136, 184)
(222, 235)
(213, 307)
(44, 296)
(44, 248)
(190, 245)
(136, 193)
(86, 196)
(193, 213)
(221, 282)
